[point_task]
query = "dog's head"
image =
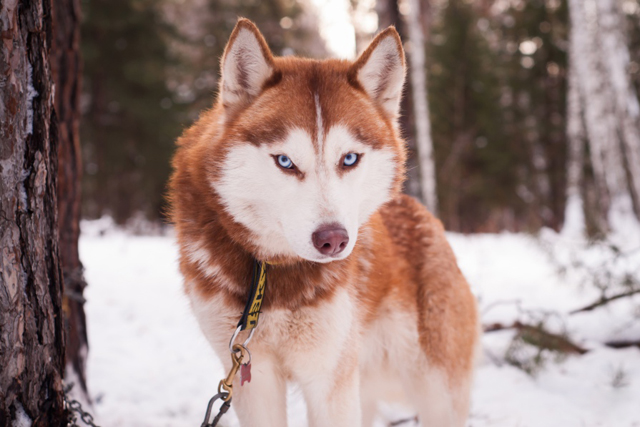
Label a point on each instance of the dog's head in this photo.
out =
(307, 150)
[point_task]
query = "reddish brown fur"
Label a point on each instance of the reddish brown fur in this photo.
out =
(405, 244)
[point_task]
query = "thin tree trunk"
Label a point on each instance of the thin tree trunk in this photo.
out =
(389, 14)
(418, 76)
(31, 329)
(363, 35)
(616, 51)
(66, 69)
(601, 121)
(574, 219)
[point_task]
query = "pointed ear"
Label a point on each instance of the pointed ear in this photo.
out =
(246, 64)
(380, 70)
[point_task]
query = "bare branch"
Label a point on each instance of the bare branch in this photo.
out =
(623, 344)
(604, 300)
(542, 338)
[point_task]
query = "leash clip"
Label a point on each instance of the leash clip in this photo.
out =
(240, 352)
(237, 356)
(223, 409)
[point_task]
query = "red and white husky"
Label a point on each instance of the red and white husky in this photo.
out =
(300, 164)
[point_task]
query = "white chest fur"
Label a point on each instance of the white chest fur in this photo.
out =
(304, 339)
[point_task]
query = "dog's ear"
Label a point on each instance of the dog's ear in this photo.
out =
(246, 64)
(380, 70)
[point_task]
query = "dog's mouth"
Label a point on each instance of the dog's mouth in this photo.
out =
(327, 259)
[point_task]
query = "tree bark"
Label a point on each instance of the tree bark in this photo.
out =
(418, 76)
(388, 14)
(31, 327)
(599, 112)
(627, 108)
(574, 219)
(66, 69)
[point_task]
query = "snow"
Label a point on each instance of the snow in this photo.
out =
(149, 364)
(32, 93)
(574, 222)
(22, 419)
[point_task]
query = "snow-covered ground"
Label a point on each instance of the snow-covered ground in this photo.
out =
(149, 365)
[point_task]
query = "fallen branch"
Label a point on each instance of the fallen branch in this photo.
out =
(604, 300)
(539, 337)
(623, 344)
(550, 341)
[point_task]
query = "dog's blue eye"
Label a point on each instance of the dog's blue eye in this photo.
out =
(350, 159)
(285, 162)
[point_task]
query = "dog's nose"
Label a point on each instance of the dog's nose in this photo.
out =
(330, 239)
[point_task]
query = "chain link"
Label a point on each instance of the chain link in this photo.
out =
(74, 408)
(226, 404)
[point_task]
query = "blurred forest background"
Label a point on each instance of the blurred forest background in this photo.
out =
(498, 79)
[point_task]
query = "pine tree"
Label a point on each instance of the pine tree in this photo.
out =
(497, 101)
(66, 68)
(205, 26)
(31, 327)
(150, 68)
(130, 122)
(475, 173)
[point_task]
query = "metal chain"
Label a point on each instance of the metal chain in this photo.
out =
(74, 408)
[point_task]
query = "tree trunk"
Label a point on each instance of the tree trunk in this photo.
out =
(66, 70)
(418, 76)
(627, 108)
(388, 12)
(599, 112)
(574, 219)
(31, 329)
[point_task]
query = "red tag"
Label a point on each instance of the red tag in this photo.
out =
(245, 373)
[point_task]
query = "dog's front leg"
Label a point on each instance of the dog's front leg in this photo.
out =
(333, 398)
(263, 401)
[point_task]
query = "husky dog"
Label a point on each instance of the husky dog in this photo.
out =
(300, 164)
